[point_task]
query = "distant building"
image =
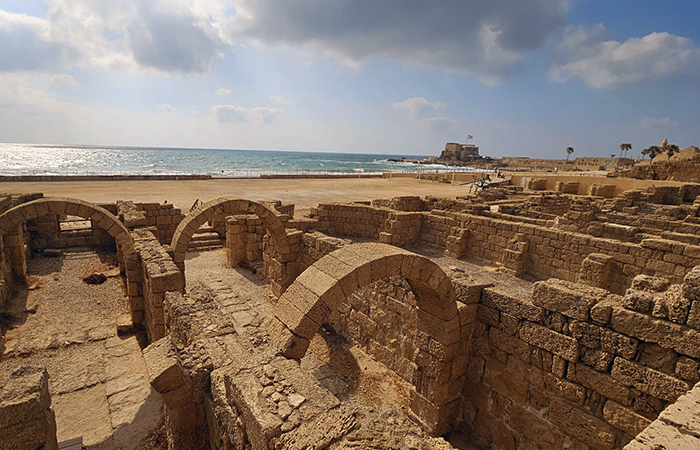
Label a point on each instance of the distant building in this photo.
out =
(455, 152)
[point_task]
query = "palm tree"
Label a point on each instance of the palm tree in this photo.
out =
(569, 151)
(625, 147)
(652, 151)
(671, 150)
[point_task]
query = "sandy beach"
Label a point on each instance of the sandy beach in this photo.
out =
(304, 193)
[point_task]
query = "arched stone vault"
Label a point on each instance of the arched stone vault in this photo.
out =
(308, 302)
(228, 205)
(12, 219)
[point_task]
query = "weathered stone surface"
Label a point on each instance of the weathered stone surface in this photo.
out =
(685, 413)
(601, 311)
(572, 300)
(648, 380)
(638, 301)
(677, 427)
(602, 383)
(535, 429)
(510, 304)
(509, 380)
(691, 284)
(596, 337)
(682, 339)
(581, 425)
(557, 343)
(688, 369)
(624, 419)
(164, 370)
(26, 419)
(649, 283)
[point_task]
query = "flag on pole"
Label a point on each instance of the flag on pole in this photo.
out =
(469, 136)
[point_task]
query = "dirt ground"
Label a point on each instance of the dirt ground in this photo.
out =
(97, 379)
(305, 193)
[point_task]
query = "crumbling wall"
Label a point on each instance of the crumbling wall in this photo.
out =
(350, 219)
(575, 366)
(244, 239)
(315, 245)
(560, 254)
(11, 258)
(164, 217)
(687, 170)
(158, 274)
(45, 232)
(27, 421)
(380, 223)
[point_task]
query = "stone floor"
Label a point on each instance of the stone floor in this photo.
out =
(98, 381)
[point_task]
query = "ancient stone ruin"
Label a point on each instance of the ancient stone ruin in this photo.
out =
(517, 319)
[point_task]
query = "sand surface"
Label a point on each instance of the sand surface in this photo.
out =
(305, 193)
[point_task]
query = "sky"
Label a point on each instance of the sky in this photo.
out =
(523, 77)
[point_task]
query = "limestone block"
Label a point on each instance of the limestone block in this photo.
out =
(581, 425)
(638, 301)
(601, 383)
(570, 299)
(650, 284)
(648, 380)
(27, 421)
(517, 307)
(624, 419)
(550, 340)
(164, 371)
(691, 284)
(669, 335)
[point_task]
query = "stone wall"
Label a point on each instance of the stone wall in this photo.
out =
(350, 219)
(380, 223)
(244, 239)
(676, 428)
(382, 319)
(27, 421)
(281, 268)
(45, 232)
(164, 217)
(10, 245)
(559, 254)
(666, 170)
(578, 367)
(158, 274)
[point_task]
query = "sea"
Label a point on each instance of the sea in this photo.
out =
(32, 159)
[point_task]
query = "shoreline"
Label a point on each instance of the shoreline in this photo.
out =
(305, 193)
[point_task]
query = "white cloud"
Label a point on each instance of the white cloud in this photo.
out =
(658, 122)
(26, 43)
(439, 124)
(137, 35)
(166, 108)
(586, 54)
(239, 114)
(62, 79)
(223, 91)
(485, 39)
(279, 99)
(21, 94)
(417, 106)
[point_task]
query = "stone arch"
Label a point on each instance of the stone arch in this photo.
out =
(227, 205)
(13, 218)
(321, 288)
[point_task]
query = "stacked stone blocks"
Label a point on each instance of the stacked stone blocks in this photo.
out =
(323, 287)
(591, 368)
